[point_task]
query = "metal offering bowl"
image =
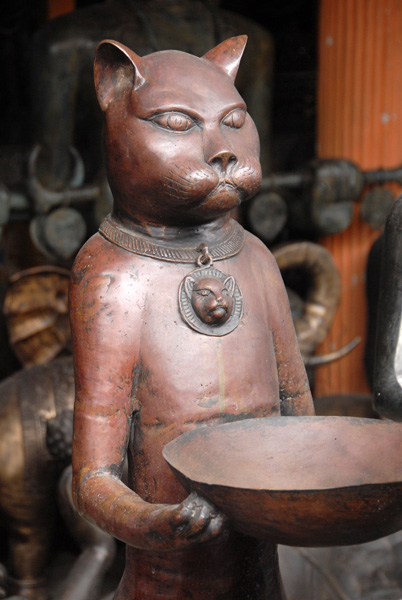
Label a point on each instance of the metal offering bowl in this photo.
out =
(300, 481)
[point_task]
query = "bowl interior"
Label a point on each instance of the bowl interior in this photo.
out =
(290, 453)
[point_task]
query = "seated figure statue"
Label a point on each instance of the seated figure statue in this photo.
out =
(179, 320)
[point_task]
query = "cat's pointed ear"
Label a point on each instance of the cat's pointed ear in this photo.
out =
(117, 70)
(189, 283)
(227, 55)
(230, 285)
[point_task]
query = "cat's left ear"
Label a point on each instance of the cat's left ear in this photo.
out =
(227, 55)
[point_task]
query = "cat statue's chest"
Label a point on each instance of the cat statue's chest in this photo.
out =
(200, 375)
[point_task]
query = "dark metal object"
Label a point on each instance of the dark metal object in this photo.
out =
(59, 435)
(36, 312)
(267, 215)
(28, 472)
(376, 204)
(181, 153)
(388, 361)
(373, 290)
(45, 199)
(5, 206)
(329, 189)
(298, 481)
(97, 549)
(59, 234)
(3, 580)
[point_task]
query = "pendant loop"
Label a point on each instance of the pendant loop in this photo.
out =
(205, 259)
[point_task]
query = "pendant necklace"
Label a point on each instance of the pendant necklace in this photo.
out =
(210, 301)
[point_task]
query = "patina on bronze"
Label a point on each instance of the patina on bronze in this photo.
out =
(181, 153)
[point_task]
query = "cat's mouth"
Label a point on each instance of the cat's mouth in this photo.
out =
(225, 193)
(227, 183)
(219, 311)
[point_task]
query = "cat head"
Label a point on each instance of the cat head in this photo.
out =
(181, 148)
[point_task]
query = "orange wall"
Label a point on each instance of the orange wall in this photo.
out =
(59, 7)
(359, 118)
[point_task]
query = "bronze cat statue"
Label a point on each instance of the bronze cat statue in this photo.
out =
(150, 361)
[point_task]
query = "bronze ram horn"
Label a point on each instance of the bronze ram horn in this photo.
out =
(323, 290)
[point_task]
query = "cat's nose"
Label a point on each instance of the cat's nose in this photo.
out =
(221, 161)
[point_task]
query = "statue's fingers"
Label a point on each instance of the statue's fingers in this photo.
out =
(216, 526)
(194, 520)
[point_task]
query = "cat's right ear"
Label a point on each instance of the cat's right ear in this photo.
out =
(117, 71)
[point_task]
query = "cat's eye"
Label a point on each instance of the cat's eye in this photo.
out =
(203, 292)
(235, 119)
(174, 121)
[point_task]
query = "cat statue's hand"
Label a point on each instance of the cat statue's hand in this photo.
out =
(177, 526)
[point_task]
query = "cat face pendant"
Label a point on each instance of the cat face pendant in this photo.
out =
(210, 301)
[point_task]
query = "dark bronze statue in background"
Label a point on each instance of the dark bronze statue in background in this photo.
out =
(181, 152)
(35, 432)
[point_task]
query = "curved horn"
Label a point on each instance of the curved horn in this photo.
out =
(325, 359)
(323, 295)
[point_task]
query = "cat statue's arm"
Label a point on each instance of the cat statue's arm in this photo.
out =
(104, 410)
(294, 389)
